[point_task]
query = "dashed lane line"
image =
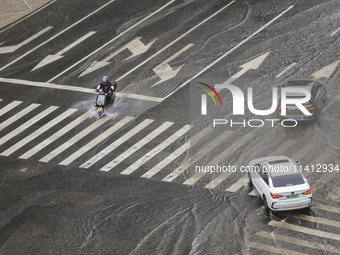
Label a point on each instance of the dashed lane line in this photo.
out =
(75, 88)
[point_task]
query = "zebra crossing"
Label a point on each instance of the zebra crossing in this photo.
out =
(79, 135)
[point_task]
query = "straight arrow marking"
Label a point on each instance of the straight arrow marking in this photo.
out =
(135, 46)
(327, 71)
(10, 49)
(51, 58)
(164, 70)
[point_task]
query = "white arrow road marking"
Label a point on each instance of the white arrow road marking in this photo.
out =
(109, 42)
(229, 51)
(135, 46)
(327, 71)
(164, 70)
(335, 31)
(55, 36)
(173, 42)
(76, 88)
(38, 132)
(251, 65)
(51, 58)
(10, 49)
(286, 70)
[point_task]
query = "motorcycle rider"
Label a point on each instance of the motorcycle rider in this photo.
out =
(108, 87)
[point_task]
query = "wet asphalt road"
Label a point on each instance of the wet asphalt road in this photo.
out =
(53, 207)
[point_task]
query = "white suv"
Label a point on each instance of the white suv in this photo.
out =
(280, 183)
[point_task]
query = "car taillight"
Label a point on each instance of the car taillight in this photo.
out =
(310, 107)
(275, 196)
(307, 192)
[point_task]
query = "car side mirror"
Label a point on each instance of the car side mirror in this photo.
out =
(299, 164)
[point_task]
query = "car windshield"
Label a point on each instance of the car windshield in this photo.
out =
(287, 180)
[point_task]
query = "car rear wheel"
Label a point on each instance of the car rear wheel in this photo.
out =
(265, 203)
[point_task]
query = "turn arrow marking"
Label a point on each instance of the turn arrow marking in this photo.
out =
(10, 49)
(135, 46)
(164, 70)
(51, 58)
(327, 71)
(251, 65)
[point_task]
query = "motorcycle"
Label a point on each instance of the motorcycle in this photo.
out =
(101, 101)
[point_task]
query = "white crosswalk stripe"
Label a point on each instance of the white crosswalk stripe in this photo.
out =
(27, 124)
(55, 136)
(327, 208)
(137, 146)
(156, 150)
(304, 230)
(9, 107)
(96, 141)
(213, 144)
(272, 249)
(38, 132)
(74, 139)
(222, 156)
(116, 143)
(318, 220)
(237, 185)
(297, 241)
(167, 160)
(18, 116)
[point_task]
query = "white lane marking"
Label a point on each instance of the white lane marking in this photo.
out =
(136, 146)
(116, 143)
(272, 249)
(12, 48)
(178, 171)
(55, 136)
(217, 180)
(51, 58)
(228, 52)
(283, 147)
(55, 36)
(164, 70)
(9, 107)
(74, 139)
(216, 160)
(156, 150)
(173, 42)
(327, 208)
(293, 240)
(157, 168)
(18, 115)
(112, 40)
(135, 46)
(236, 186)
(304, 230)
(38, 132)
(76, 88)
(29, 15)
(103, 136)
(336, 31)
(318, 220)
(327, 71)
(286, 70)
(27, 124)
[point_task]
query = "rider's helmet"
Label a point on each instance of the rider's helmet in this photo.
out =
(105, 78)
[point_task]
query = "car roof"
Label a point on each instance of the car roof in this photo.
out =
(279, 165)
